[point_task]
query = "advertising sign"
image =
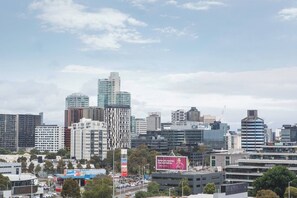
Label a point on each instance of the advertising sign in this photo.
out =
(178, 163)
(124, 163)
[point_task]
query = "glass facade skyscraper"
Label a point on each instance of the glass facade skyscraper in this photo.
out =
(77, 100)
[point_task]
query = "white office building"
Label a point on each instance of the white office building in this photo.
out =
(118, 123)
(49, 138)
(88, 138)
(154, 121)
(141, 126)
(179, 115)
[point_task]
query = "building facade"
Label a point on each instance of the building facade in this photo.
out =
(154, 121)
(179, 115)
(26, 124)
(193, 115)
(252, 131)
(288, 133)
(73, 115)
(197, 180)
(8, 132)
(248, 170)
(108, 89)
(123, 98)
(49, 138)
(233, 140)
(118, 123)
(88, 138)
(221, 159)
(77, 100)
(141, 126)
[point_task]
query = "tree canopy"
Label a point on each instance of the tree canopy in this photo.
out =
(70, 189)
(293, 192)
(4, 183)
(266, 194)
(99, 187)
(210, 188)
(275, 179)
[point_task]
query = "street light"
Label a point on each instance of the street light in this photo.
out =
(170, 190)
(289, 193)
(113, 172)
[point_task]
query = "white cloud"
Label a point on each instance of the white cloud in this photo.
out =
(105, 29)
(201, 5)
(84, 70)
(141, 3)
(173, 31)
(288, 13)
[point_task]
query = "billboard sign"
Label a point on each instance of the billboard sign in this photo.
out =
(124, 163)
(177, 163)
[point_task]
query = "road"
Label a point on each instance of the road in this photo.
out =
(120, 193)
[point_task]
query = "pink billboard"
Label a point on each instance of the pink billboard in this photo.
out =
(179, 163)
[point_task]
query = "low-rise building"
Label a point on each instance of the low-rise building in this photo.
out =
(10, 168)
(223, 158)
(248, 170)
(197, 180)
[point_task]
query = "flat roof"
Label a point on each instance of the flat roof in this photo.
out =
(13, 177)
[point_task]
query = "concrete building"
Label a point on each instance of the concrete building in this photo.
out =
(10, 168)
(49, 138)
(248, 170)
(208, 119)
(288, 133)
(179, 115)
(222, 158)
(193, 115)
(157, 143)
(197, 180)
(154, 121)
(252, 131)
(141, 126)
(88, 138)
(118, 123)
(233, 140)
(73, 115)
(77, 100)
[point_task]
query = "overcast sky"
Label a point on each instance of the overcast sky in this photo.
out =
(171, 54)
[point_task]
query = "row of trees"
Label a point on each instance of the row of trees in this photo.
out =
(274, 183)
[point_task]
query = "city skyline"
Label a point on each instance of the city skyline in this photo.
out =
(170, 55)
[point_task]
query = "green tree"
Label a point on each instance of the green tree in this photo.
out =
(266, 194)
(79, 166)
(61, 166)
(117, 159)
(293, 192)
(82, 161)
(70, 165)
(48, 167)
(153, 188)
(51, 156)
(4, 183)
(37, 169)
(62, 152)
(70, 189)
(34, 151)
(141, 194)
(101, 186)
(210, 188)
(184, 188)
(141, 158)
(33, 157)
(275, 179)
(4, 151)
(88, 166)
(31, 168)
